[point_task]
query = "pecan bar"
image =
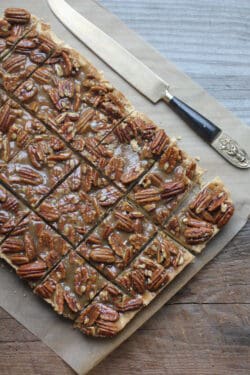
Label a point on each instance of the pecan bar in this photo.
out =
(17, 129)
(30, 52)
(78, 129)
(71, 285)
(109, 313)
(165, 186)
(160, 262)
(116, 241)
(12, 211)
(196, 224)
(79, 203)
(34, 171)
(33, 249)
(128, 151)
(15, 24)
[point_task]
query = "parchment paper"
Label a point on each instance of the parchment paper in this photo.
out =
(80, 352)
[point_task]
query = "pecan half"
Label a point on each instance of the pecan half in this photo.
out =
(129, 304)
(173, 188)
(195, 235)
(102, 255)
(17, 15)
(32, 271)
(46, 289)
(159, 143)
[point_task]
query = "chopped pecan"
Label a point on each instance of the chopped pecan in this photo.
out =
(174, 225)
(170, 158)
(27, 91)
(137, 240)
(114, 167)
(5, 30)
(17, 15)
(2, 41)
(80, 279)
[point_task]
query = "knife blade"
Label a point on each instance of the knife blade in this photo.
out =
(146, 81)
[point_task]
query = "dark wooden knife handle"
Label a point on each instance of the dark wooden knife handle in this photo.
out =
(200, 124)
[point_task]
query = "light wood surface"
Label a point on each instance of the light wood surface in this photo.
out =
(205, 328)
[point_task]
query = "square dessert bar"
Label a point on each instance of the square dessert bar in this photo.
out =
(79, 129)
(55, 91)
(71, 285)
(129, 151)
(12, 211)
(17, 129)
(33, 249)
(116, 241)
(204, 216)
(109, 312)
(159, 263)
(79, 202)
(30, 52)
(15, 24)
(34, 171)
(165, 186)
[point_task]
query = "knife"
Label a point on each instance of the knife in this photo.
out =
(146, 81)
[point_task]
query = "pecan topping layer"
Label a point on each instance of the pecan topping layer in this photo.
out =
(33, 248)
(205, 215)
(71, 285)
(79, 203)
(35, 170)
(113, 244)
(154, 268)
(109, 312)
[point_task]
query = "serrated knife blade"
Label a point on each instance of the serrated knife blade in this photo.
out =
(146, 81)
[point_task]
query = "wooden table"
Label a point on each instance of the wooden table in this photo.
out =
(205, 328)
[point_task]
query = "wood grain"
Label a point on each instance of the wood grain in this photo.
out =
(204, 330)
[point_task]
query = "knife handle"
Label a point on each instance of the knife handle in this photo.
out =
(200, 124)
